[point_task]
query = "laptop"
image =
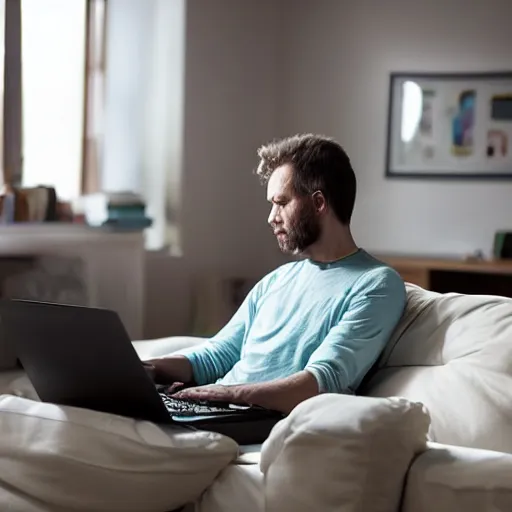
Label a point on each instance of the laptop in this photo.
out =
(83, 357)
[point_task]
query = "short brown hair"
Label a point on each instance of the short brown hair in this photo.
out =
(319, 164)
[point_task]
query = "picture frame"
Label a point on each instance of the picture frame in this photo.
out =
(450, 125)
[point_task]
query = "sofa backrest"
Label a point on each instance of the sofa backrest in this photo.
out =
(453, 352)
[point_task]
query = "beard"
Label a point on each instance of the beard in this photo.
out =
(303, 232)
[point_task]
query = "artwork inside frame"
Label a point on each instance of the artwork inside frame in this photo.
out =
(450, 125)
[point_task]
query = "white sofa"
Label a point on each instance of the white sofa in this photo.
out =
(445, 445)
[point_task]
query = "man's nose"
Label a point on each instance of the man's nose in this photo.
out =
(273, 217)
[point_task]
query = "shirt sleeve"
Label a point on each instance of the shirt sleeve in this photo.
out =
(352, 346)
(214, 358)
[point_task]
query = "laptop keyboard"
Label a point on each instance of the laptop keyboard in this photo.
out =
(185, 407)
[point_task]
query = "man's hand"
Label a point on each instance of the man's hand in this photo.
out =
(213, 392)
(279, 395)
(167, 370)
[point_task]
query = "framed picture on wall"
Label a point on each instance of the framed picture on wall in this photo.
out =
(450, 125)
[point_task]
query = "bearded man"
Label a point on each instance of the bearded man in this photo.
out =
(315, 325)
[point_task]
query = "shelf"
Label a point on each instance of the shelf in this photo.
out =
(22, 239)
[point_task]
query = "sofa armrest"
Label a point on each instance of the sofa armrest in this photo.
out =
(451, 479)
(340, 452)
(147, 349)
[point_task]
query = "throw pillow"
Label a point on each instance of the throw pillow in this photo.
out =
(69, 459)
(340, 452)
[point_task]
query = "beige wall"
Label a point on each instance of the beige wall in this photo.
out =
(230, 95)
(255, 70)
(338, 56)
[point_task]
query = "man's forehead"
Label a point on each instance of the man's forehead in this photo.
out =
(280, 182)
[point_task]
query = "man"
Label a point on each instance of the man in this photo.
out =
(312, 326)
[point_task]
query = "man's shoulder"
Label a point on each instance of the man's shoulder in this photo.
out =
(379, 276)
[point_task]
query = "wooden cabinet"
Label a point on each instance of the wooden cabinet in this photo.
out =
(492, 277)
(419, 276)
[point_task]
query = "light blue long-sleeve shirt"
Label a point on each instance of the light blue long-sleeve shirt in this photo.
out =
(331, 319)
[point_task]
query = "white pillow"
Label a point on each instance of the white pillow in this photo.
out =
(339, 452)
(63, 458)
(455, 478)
(453, 353)
(159, 347)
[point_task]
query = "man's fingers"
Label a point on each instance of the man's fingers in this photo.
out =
(191, 394)
(186, 394)
(175, 387)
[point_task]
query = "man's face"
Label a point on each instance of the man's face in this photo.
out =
(293, 218)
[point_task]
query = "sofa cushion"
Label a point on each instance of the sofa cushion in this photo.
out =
(452, 478)
(101, 462)
(237, 488)
(453, 353)
(159, 347)
(339, 452)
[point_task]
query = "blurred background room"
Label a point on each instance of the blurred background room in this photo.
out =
(130, 129)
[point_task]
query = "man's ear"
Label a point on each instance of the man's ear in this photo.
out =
(319, 202)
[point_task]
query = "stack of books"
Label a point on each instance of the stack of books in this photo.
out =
(123, 211)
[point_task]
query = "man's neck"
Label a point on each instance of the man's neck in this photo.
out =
(333, 245)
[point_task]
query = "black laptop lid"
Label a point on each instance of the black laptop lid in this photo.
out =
(81, 357)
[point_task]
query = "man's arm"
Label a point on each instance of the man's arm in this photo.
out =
(170, 369)
(215, 357)
(353, 345)
(205, 363)
(279, 395)
(342, 359)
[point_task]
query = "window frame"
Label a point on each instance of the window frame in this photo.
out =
(12, 115)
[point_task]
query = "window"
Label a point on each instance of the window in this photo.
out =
(49, 136)
(94, 99)
(94, 95)
(53, 67)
